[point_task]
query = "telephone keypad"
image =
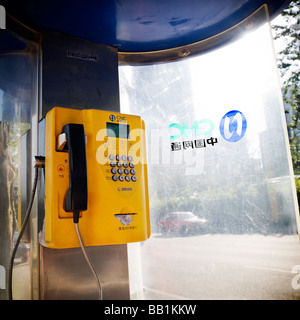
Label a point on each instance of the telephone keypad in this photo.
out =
(125, 162)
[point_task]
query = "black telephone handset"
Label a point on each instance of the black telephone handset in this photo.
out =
(76, 198)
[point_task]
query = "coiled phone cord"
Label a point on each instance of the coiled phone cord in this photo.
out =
(100, 293)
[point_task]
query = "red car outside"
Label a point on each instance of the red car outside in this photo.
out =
(182, 222)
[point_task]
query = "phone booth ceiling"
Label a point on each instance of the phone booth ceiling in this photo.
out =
(137, 26)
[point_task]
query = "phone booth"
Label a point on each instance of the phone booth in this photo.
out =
(144, 153)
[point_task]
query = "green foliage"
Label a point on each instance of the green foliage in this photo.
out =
(297, 181)
(289, 65)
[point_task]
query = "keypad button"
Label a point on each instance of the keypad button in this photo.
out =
(114, 177)
(111, 157)
(118, 158)
(112, 164)
(126, 171)
(124, 158)
(131, 165)
(127, 178)
(113, 170)
(121, 178)
(130, 159)
(120, 171)
(125, 165)
(132, 171)
(134, 178)
(119, 164)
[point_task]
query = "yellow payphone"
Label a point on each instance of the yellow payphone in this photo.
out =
(95, 174)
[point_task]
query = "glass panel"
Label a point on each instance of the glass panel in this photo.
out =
(222, 196)
(15, 153)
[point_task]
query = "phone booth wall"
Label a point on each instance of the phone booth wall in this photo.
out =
(18, 122)
(223, 205)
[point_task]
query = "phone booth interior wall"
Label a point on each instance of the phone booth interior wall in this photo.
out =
(223, 205)
(88, 74)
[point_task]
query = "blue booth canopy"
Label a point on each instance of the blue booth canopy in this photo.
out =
(140, 26)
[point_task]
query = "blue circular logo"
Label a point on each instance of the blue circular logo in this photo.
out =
(112, 117)
(233, 126)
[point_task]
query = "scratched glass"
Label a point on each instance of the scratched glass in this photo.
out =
(16, 105)
(218, 149)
